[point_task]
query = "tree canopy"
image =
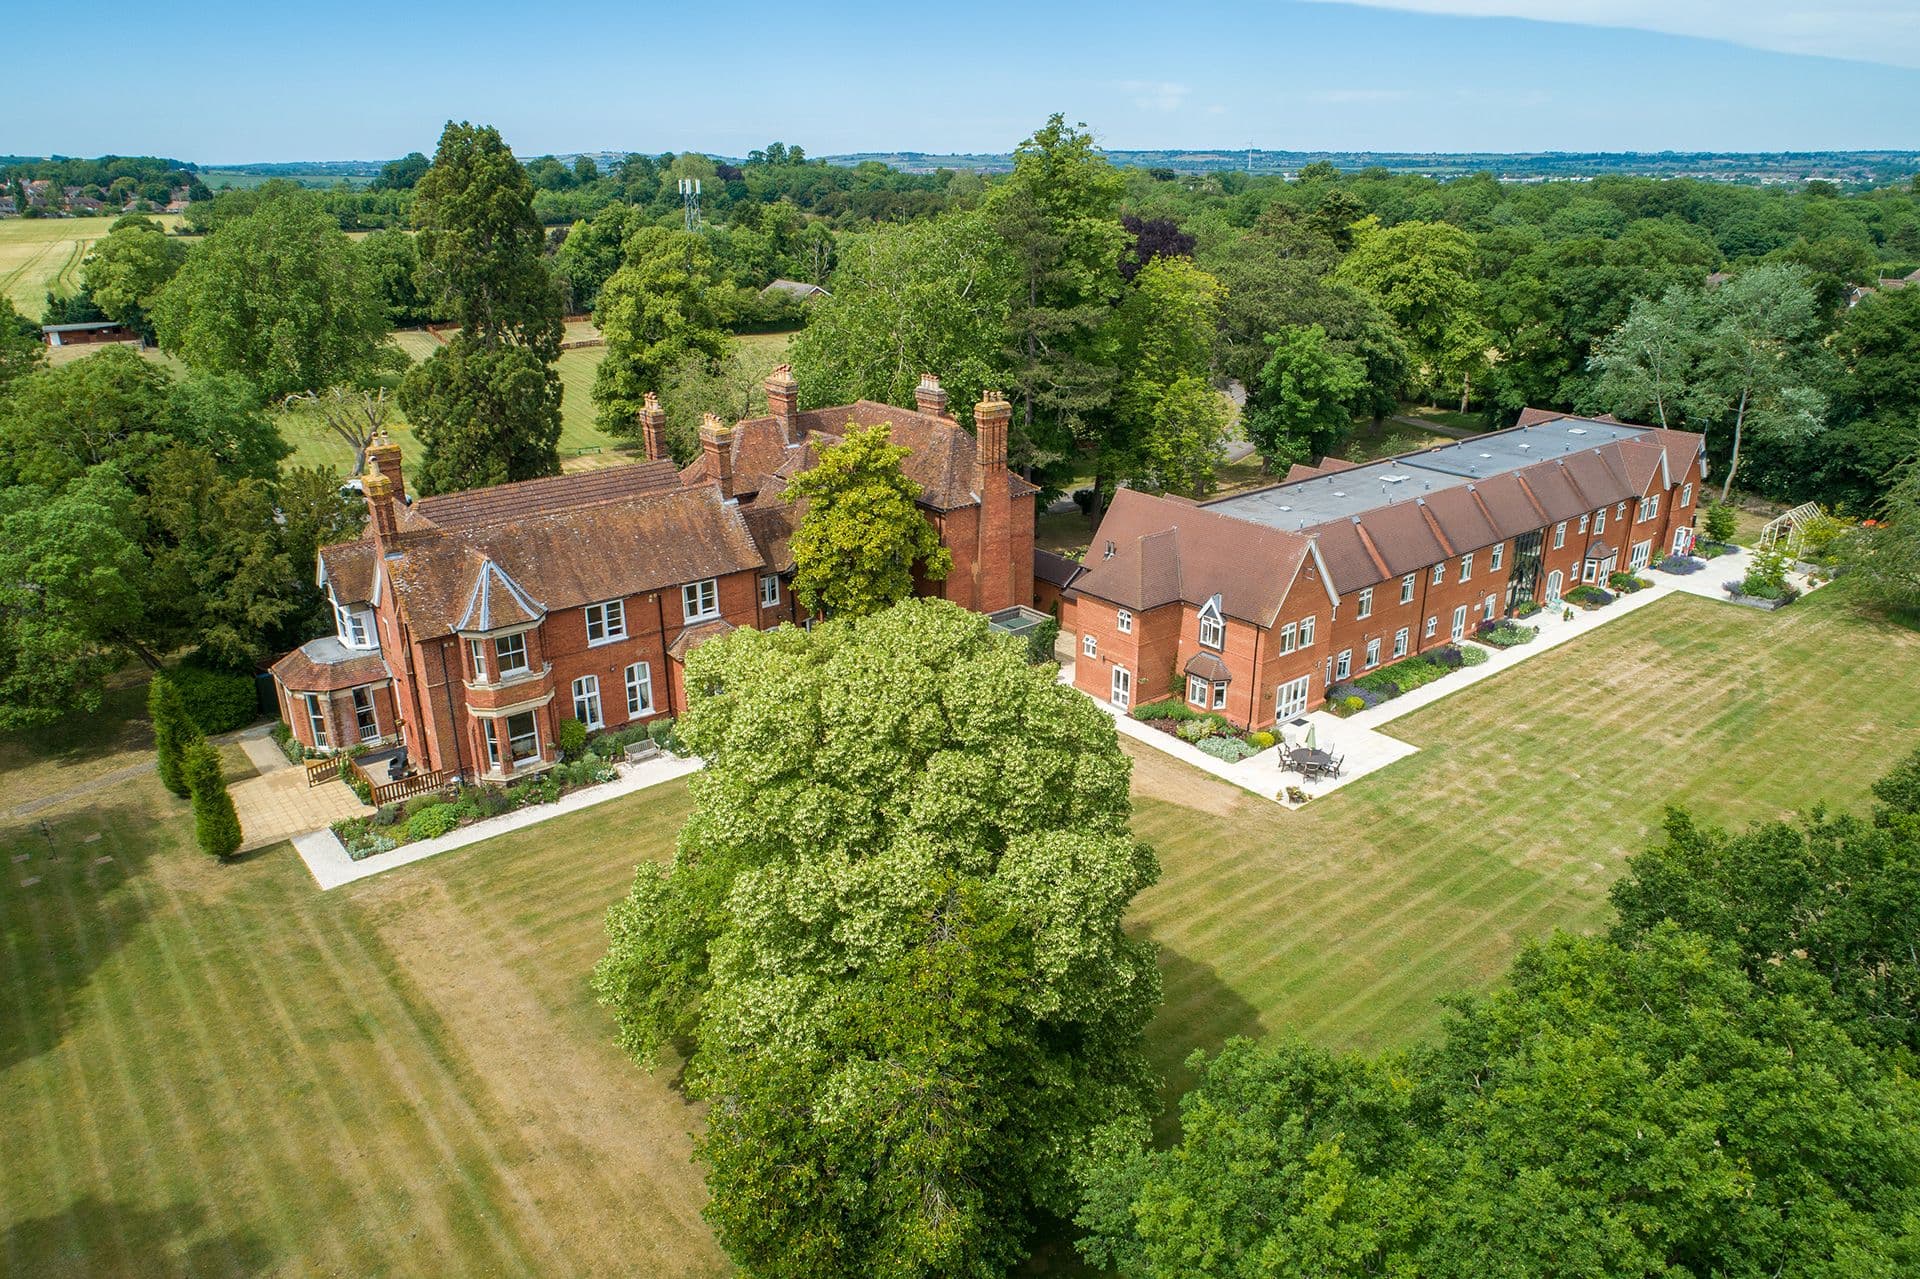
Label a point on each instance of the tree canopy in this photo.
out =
(861, 539)
(655, 312)
(891, 933)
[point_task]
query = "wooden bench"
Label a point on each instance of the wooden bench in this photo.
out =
(638, 752)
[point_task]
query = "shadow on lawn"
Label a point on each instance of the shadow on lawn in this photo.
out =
(167, 1241)
(1197, 1011)
(63, 913)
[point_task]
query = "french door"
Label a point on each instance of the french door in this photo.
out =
(1554, 583)
(1290, 699)
(1122, 687)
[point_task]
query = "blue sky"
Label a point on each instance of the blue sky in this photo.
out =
(224, 82)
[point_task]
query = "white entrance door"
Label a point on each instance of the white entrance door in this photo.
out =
(1122, 687)
(1642, 554)
(1554, 583)
(1460, 621)
(1683, 540)
(1290, 700)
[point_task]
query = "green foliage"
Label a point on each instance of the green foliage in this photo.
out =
(1423, 276)
(1718, 522)
(1608, 1112)
(1230, 750)
(1471, 655)
(217, 701)
(174, 733)
(1170, 422)
(861, 539)
(1886, 558)
(572, 738)
(21, 350)
(1401, 677)
(433, 820)
(657, 312)
(1302, 405)
(1767, 573)
(892, 935)
(483, 414)
(216, 827)
(280, 297)
(128, 268)
(1508, 634)
(1042, 639)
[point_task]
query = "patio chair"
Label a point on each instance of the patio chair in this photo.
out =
(1339, 763)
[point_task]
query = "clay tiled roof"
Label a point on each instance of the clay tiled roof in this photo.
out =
(1165, 550)
(347, 567)
(1208, 667)
(692, 637)
(503, 502)
(325, 665)
(940, 459)
(572, 556)
(1048, 566)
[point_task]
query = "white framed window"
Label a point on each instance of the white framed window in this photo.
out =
(1373, 653)
(1590, 571)
(1583, 523)
(639, 690)
(1459, 621)
(606, 622)
(1400, 642)
(1365, 607)
(1466, 566)
(769, 590)
(1213, 631)
(1433, 624)
(1499, 555)
(1649, 507)
(1620, 513)
(316, 719)
(1199, 692)
(1290, 699)
(700, 600)
(1288, 638)
(365, 722)
(1559, 535)
(1219, 694)
(1089, 647)
(1306, 632)
(1406, 588)
(1439, 572)
(1686, 495)
(1487, 607)
(351, 625)
(522, 738)
(477, 649)
(586, 701)
(1123, 621)
(1599, 523)
(511, 652)
(1641, 556)
(1343, 664)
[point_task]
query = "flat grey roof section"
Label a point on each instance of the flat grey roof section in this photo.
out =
(1357, 490)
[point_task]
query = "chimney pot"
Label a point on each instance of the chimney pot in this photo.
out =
(716, 446)
(383, 456)
(990, 418)
(929, 397)
(653, 427)
(783, 401)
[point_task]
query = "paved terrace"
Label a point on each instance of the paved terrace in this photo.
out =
(1359, 737)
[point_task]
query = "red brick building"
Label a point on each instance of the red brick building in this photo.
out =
(470, 625)
(1255, 605)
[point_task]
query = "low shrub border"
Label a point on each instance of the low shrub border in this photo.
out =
(1680, 565)
(1505, 634)
(1375, 687)
(1626, 583)
(1587, 595)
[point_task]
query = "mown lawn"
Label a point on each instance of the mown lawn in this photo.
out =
(38, 255)
(222, 1071)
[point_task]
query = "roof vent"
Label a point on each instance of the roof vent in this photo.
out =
(1338, 494)
(1109, 552)
(1576, 430)
(1526, 446)
(1486, 455)
(1286, 508)
(1393, 479)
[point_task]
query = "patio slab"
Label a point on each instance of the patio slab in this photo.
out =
(279, 805)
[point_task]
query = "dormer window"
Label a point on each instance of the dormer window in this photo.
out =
(353, 627)
(1213, 630)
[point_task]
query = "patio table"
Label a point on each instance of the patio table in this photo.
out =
(1306, 762)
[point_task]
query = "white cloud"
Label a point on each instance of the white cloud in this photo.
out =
(1156, 95)
(1886, 31)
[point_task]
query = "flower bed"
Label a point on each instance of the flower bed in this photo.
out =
(1210, 732)
(1505, 633)
(1680, 565)
(1626, 583)
(1389, 682)
(438, 813)
(1586, 595)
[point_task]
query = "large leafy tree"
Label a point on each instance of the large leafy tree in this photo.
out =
(861, 539)
(1886, 557)
(1056, 216)
(891, 934)
(1423, 276)
(21, 350)
(1303, 404)
(929, 297)
(1619, 1110)
(278, 296)
(1170, 422)
(128, 268)
(486, 407)
(1875, 391)
(656, 311)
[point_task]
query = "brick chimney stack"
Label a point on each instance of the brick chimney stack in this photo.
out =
(378, 490)
(929, 398)
(716, 446)
(383, 455)
(653, 427)
(993, 566)
(783, 401)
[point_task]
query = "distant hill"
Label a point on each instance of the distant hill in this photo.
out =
(1755, 167)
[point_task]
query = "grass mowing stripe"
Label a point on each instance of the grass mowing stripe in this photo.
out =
(45, 1114)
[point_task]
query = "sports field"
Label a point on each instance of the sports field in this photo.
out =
(222, 1071)
(42, 254)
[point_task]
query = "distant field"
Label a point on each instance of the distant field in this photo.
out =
(41, 254)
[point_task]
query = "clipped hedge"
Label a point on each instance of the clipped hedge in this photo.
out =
(217, 701)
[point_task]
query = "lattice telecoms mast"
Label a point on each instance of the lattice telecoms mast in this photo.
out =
(690, 196)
